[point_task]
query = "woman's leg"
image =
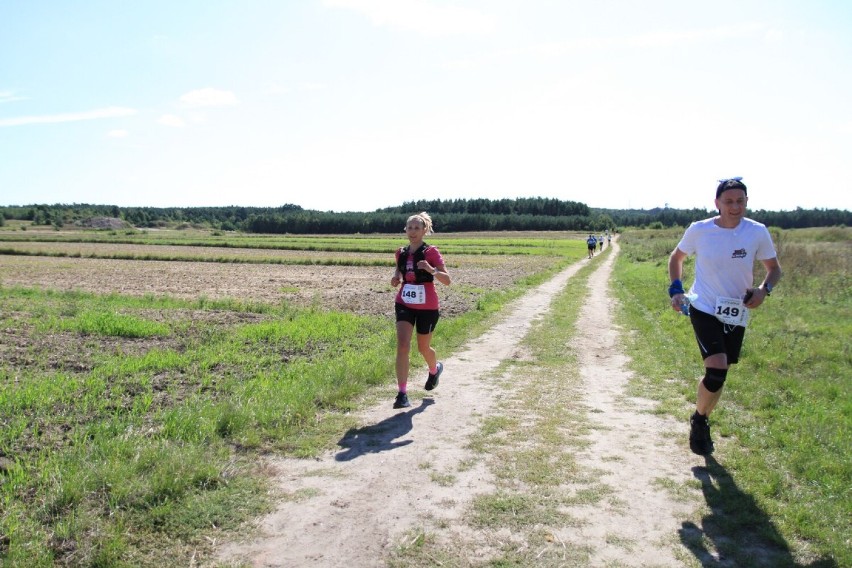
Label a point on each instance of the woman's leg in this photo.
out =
(424, 345)
(403, 349)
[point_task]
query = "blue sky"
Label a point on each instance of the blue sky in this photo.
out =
(353, 105)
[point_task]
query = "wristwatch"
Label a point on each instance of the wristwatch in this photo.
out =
(768, 287)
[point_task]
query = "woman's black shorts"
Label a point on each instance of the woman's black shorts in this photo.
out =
(423, 320)
(715, 337)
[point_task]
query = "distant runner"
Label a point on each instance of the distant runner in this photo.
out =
(591, 241)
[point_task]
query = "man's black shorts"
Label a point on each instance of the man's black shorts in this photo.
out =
(715, 337)
(423, 320)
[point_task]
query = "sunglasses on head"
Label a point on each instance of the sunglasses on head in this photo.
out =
(739, 178)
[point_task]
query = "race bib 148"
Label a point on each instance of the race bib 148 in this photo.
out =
(414, 294)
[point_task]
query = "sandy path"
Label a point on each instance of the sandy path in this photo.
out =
(351, 506)
(635, 451)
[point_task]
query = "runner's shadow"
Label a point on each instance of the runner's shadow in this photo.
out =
(379, 437)
(738, 530)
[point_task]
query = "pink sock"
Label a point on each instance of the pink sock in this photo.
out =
(403, 387)
(433, 371)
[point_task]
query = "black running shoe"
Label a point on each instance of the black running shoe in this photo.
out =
(401, 401)
(700, 441)
(432, 380)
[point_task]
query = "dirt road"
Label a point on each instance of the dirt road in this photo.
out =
(354, 506)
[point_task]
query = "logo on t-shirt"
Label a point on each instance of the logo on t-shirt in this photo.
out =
(739, 253)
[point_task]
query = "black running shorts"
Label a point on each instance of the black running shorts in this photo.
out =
(423, 320)
(715, 337)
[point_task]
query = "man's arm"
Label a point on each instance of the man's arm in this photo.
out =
(773, 272)
(773, 275)
(675, 274)
(676, 264)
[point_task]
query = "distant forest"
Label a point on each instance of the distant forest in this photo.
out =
(457, 215)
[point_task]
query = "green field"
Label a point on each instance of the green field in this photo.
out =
(130, 424)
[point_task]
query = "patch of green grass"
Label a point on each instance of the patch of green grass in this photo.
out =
(514, 511)
(113, 325)
(142, 438)
(443, 479)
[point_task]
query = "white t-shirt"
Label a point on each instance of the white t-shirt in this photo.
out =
(724, 258)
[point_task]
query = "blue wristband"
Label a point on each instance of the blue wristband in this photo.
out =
(675, 288)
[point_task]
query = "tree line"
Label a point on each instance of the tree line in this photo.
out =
(457, 215)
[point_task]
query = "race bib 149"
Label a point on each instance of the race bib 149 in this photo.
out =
(731, 311)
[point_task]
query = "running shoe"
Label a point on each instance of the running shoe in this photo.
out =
(700, 441)
(432, 380)
(401, 401)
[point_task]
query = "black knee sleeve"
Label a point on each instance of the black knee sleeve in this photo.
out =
(714, 378)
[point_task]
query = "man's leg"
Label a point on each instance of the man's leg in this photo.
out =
(709, 393)
(707, 399)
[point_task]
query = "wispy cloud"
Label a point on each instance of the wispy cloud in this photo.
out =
(420, 16)
(109, 112)
(171, 120)
(208, 97)
(9, 96)
(120, 133)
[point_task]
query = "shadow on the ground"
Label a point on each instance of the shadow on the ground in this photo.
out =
(736, 532)
(379, 437)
